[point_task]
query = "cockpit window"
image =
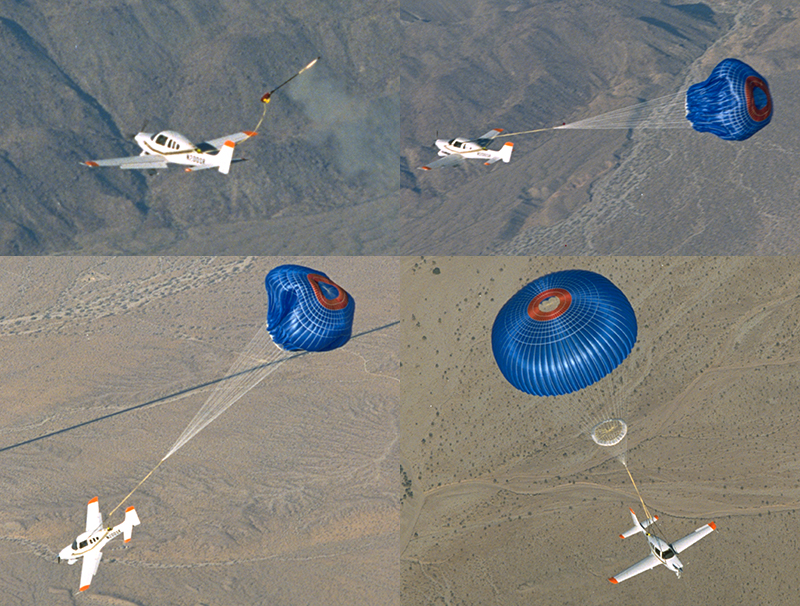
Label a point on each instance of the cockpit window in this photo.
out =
(82, 545)
(667, 553)
(161, 140)
(74, 544)
(457, 143)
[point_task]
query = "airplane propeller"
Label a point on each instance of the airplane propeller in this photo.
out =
(141, 130)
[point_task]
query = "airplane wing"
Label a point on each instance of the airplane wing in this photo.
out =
(648, 563)
(491, 134)
(691, 539)
(93, 518)
(91, 561)
(452, 160)
(192, 169)
(131, 162)
(234, 138)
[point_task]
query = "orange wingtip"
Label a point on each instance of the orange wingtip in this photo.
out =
(129, 509)
(91, 163)
(94, 500)
(188, 170)
(622, 536)
(425, 167)
(84, 588)
(486, 163)
(656, 517)
(229, 144)
(250, 133)
(509, 144)
(499, 130)
(127, 541)
(613, 580)
(632, 511)
(713, 526)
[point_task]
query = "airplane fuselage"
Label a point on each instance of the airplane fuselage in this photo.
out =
(173, 147)
(665, 554)
(87, 542)
(463, 148)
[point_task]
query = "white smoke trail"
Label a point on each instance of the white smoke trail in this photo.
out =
(362, 131)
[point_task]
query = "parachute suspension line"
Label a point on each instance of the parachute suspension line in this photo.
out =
(265, 99)
(259, 359)
(263, 114)
(641, 500)
(527, 132)
(122, 502)
(241, 378)
(668, 111)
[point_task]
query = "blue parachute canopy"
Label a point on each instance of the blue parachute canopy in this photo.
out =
(734, 103)
(307, 310)
(563, 332)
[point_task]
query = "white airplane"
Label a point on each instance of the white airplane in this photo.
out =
(169, 146)
(661, 552)
(88, 545)
(455, 151)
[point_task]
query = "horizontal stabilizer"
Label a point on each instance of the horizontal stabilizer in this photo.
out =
(637, 527)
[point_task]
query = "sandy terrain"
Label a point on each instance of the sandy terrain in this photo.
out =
(513, 504)
(290, 497)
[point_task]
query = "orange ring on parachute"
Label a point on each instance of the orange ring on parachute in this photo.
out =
(759, 115)
(564, 301)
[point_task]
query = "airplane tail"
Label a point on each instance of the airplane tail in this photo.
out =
(225, 156)
(637, 527)
(131, 520)
(505, 152)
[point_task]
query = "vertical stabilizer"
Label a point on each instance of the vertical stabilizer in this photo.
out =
(225, 156)
(505, 152)
(131, 520)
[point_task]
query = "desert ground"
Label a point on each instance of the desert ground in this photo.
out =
(509, 502)
(290, 497)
